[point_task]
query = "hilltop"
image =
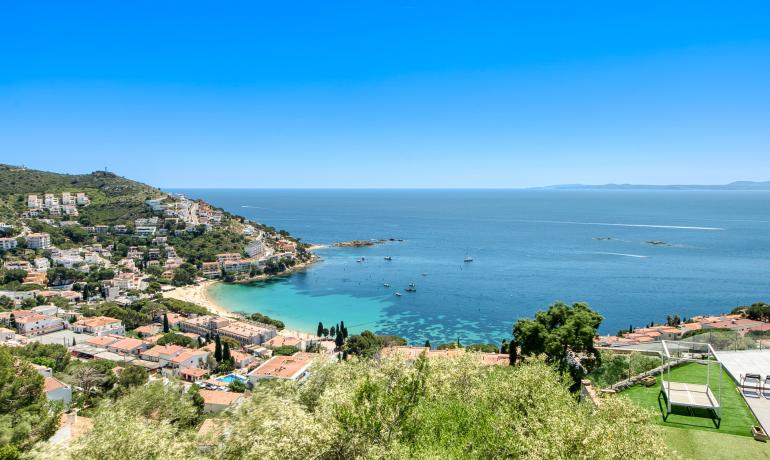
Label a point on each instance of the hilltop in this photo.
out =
(737, 185)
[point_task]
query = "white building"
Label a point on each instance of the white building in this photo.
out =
(38, 241)
(56, 390)
(66, 198)
(145, 231)
(82, 199)
(33, 202)
(7, 244)
(256, 248)
(37, 324)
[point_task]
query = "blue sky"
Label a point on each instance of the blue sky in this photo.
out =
(388, 94)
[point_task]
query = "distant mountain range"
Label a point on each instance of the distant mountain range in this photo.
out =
(738, 185)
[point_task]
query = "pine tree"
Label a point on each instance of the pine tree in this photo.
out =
(427, 344)
(218, 349)
(165, 323)
(320, 330)
(344, 330)
(226, 352)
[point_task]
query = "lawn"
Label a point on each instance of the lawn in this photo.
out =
(697, 444)
(737, 419)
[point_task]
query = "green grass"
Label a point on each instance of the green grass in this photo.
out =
(698, 444)
(737, 418)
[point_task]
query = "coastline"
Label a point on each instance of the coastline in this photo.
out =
(198, 294)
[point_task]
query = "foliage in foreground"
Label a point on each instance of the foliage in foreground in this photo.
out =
(443, 408)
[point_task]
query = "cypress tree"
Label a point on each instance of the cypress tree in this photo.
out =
(512, 352)
(12, 321)
(226, 352)
(73, 342)
(333, 331)
(320, 330)
(217, 349)
(165, 323)
(344, 330)
(427, 344)
(339, 340)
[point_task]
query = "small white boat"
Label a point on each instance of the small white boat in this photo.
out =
(397, 294)
(411, 285)
(388, 258)
(386, 284)
(410, 289)
(468, 259)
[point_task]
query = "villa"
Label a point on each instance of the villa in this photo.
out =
(217, 401)
(282, 367)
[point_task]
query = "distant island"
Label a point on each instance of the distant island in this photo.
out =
(737, 185)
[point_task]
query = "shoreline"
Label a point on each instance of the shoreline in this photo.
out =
(198, 294)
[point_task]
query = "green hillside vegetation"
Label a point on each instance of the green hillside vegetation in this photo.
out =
(14, 180)
(442, 408)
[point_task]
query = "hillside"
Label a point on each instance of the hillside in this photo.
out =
(16, 180)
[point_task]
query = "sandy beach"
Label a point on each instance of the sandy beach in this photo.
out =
(197, 294)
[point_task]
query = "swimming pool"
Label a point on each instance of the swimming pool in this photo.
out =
(230, 378)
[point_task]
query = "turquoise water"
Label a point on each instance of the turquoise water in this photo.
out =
(530, 248)
(230, 378)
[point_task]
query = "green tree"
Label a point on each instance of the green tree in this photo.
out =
(132, 376)
(427, 344)
(339, 339)
(319, 331)
(15, 274)
(285, 350)
(558, 331)
(237, 386)
(165, 323)
(25, 415)
(226, 352)
(217, 349)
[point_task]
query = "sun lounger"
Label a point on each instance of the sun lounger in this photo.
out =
(751, 381)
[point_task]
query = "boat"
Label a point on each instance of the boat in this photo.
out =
(411, 285)
(468, 259)
(388, 258)
(410, 289)
(397, 294)
(424, 274)
(386, 284)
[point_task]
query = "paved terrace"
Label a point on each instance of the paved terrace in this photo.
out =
(750, 362)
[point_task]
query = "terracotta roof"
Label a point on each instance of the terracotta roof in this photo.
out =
(33, 318)
(187, 354)
(97, 321)
(194, 371)
(220, 398)
(52, 384)
(127, 344)
(103, 340)
(282, 340)
(169, 349)
(286, 367)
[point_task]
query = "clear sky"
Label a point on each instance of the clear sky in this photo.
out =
(388, 94)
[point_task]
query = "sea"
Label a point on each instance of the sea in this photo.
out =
(634, 256)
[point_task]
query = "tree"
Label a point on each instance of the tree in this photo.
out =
(333, 331)
(217, 349)
(165, 323)
(132, 376)
(558, 331)
(15, 274)
(88, 378)
(12, 321)
(285, 350)
(6, 303)
(196, 398)
(513, 352)
(25, 415)
(319, 331)
(427, 344)
(343, 329)
(339, 339)
(226, 352)
(237, 386)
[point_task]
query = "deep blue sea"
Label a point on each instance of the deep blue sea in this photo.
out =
(530, 248)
